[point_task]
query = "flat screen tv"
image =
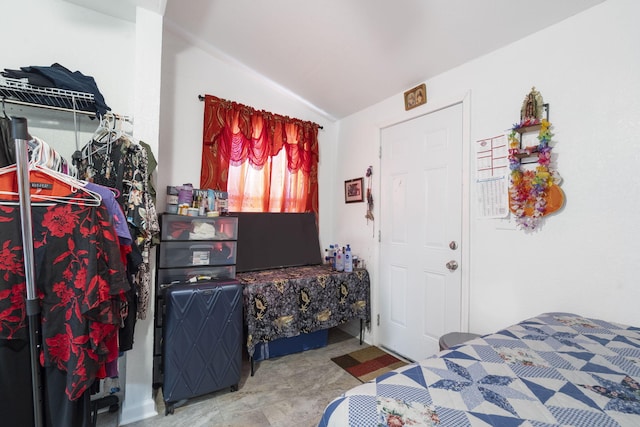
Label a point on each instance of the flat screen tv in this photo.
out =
(273, 240)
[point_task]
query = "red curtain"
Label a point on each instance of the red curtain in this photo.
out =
(266, 162)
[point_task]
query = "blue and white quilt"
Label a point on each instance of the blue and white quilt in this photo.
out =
(557, 369)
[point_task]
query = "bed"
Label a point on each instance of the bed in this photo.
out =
(554, 369)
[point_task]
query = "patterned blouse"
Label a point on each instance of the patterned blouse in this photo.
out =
(123, 165)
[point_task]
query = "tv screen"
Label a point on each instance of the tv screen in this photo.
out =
(274, 240)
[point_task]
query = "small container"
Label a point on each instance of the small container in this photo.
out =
(172, 208)
(185, 194)
(183, 209)
(192, 211)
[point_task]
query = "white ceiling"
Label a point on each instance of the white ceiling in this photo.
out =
(341, 56)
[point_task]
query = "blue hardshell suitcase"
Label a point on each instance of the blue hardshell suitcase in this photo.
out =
(202, 340)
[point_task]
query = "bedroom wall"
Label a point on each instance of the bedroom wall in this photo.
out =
(584, 258)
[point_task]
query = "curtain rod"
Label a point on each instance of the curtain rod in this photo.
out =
(201, 98)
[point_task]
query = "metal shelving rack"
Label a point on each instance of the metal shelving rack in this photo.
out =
(20, 92)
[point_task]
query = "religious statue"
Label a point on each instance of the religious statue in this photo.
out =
(531, 111)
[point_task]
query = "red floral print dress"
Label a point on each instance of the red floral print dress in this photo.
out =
(80, 281)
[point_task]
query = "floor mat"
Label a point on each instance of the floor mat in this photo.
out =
(368, 363)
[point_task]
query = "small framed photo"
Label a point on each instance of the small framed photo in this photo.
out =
(416, 96)
(353, 190)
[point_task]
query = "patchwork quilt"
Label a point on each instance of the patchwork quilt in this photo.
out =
(557, 369)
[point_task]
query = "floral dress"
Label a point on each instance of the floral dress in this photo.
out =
(79, 279)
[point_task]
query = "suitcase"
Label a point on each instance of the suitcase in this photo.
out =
(202, 340)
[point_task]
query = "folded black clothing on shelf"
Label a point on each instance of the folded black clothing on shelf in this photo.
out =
(61, 77)
(34, 79)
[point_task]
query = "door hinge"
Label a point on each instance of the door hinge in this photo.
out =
(380, 152)
(379, 236)
(378, 320)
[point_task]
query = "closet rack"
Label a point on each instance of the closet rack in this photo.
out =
(20, 92)
(20, 135)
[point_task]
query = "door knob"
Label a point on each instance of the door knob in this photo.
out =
(452, 265)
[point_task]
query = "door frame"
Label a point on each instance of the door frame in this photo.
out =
(465, 258)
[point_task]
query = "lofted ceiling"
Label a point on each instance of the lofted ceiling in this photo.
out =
(340, 56)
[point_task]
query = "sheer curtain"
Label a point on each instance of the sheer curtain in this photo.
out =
(266, 162)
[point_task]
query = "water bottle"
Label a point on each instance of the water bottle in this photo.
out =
(332, 257)
(348, 261)
(339, 260)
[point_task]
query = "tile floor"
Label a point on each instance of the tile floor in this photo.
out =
(287, 391)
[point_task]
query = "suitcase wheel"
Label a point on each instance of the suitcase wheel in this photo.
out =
(168, 408)
(234, 387)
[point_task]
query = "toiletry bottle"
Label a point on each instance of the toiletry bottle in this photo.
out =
(348, 261)
(332, 257)
(339, 260)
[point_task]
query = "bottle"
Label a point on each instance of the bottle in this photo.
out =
(339, 260)
(348, 261)
(332, 257)
(202, 209)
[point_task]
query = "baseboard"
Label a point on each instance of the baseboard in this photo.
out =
(141, 411)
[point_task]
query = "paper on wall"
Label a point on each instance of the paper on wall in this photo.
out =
(492, 170)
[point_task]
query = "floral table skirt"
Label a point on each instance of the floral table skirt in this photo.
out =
(286, 302)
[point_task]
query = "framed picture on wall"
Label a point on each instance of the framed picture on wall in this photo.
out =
(353, 190)
(416, 96)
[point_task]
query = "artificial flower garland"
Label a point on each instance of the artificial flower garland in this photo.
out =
(529, 189)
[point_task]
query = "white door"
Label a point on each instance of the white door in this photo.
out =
(420, 232)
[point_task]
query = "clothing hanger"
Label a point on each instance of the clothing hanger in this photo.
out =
(103, 138)
(44, 155)
(46, 186)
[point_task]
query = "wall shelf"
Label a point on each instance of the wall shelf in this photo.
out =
(20, 92)
(525, 129)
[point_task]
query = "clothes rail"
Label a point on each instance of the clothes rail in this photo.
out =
(20, 92)
(21, 137)
(91, 114)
